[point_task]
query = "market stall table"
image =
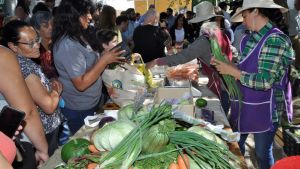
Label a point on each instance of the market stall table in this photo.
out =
(213, 103)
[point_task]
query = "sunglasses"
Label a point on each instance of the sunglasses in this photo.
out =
(33, 43)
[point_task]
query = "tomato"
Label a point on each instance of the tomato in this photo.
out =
(200, 102)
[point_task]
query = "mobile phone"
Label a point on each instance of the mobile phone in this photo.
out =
(119, 45)
(127, 52)
(10, 120)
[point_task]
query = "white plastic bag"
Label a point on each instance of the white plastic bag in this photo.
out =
(124, 83)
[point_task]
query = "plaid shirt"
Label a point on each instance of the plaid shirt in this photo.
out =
(275, 57)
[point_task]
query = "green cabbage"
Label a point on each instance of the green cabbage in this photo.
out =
(109, 136)
(157, 137)
(127, 113)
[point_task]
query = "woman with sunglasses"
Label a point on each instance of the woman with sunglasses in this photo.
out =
(23, 40)
(14, 92)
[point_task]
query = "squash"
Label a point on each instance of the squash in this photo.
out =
(75, 148)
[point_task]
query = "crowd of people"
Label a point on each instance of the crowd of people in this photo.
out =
(52, 59)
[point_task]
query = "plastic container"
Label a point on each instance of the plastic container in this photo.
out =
(291, 141)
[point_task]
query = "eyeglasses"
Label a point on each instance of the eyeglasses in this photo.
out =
(33, 43)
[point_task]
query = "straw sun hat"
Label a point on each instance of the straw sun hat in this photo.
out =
(204, 11)
(248, 4)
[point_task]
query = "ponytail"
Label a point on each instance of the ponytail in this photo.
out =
(276, 17)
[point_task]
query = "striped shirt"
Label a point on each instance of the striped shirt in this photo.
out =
(275, 57)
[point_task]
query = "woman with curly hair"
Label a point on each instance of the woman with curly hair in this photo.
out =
(79, 67)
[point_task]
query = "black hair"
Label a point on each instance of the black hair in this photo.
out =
(222, 22)
(275, 16)
(66, 20)
(104, 37)
(24, 6)
(163, 16)
(190, 13)
(98, 6)
(54, 10)
(11, 32)
(121, 18)
(123, 13)
(106, 20)
(40, 7)
(130, 10)
(176, 21)
(39, 18)
(89, 35)
(222, 5)
(170, 10)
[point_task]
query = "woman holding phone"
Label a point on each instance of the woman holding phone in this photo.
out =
(78, 65)
(24, 41)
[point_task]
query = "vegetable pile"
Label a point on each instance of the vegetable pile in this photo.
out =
(155, 141)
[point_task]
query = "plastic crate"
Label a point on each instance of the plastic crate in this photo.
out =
(291, 142)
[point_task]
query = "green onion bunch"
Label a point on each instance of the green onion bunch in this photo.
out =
(207, 154)
(229, 80)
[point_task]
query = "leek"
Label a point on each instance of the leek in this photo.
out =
(232, 87)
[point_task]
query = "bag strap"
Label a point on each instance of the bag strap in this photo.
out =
(140, 58)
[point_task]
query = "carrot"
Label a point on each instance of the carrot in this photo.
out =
(93, 149)
(91, 166)
(173, 166)
(183, 163)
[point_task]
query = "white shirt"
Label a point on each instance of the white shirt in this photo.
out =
(179, 35)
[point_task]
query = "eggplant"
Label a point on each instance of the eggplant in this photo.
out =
(106, 119)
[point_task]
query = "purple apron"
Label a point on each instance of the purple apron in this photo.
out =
(257, 105)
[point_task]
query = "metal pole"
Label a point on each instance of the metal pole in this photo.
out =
(147, 5)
